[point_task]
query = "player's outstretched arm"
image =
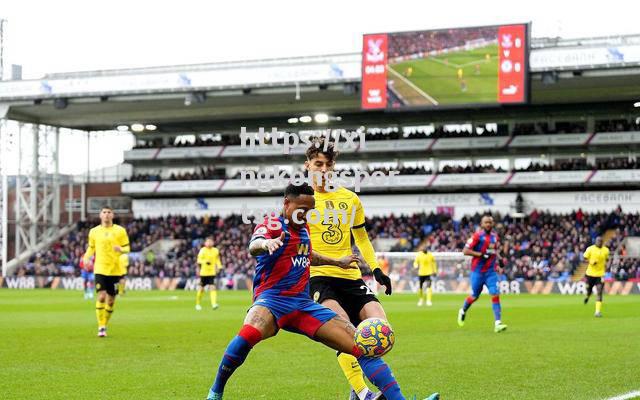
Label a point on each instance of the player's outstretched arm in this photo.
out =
(260, 246)
(361, 238)
(344, 262)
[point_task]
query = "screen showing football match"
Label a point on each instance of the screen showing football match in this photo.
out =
(445, 67)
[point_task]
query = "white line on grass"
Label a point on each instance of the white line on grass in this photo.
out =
(414, 87)
(626, 396)
(447, 64)
(454, 65)
(483, 61)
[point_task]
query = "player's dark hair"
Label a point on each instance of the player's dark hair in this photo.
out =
(320, 145)
(298, 190)
(106, 207)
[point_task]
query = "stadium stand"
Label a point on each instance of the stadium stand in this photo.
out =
(542, 246)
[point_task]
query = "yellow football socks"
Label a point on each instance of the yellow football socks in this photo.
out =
(108, 310)
(199, 296)
(100, 313)
(429, 293)
(598, 306)
(352, 371)
(213, 294)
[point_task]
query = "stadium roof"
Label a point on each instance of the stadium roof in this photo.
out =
(220, 96)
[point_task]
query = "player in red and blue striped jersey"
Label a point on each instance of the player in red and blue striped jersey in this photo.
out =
(281, 298)
(483, 247)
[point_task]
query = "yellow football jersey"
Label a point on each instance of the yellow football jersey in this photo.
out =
(101, 242)
(209, 261)
(338, 211)
(426, 263)
(597, 258)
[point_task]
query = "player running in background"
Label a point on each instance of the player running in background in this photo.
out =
(209, 265)
(107, 241)
(597, 255)
(427, 267)
(87, 278)
(483, 246)
(342, 290)
(284, 252)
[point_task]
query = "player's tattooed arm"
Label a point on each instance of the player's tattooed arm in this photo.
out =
(348, 262)
(346, 323)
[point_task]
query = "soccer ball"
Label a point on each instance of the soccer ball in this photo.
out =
(374, 337)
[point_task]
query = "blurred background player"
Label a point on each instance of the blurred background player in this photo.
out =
(482, 246)
(284, 252)
(209, 264)
(408, 72)
(123, 263)
(427, 268)
(342, 290)
(87, 278)
(108, 242)
(597, 255)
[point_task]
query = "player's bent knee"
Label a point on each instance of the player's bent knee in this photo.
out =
(372, 309)
(251, 334)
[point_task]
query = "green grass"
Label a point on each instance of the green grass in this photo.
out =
(160, 348)
(437, 77)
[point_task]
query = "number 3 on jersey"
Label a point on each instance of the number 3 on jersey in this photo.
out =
(333, 234)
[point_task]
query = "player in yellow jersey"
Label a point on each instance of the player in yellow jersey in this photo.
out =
(339, 289)
(427, 267)
(209, 264)
(597, 256)
(460, 73)
(108, 242)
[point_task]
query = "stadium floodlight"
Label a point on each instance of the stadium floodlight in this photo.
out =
(306, 119)
(137, 127)
(321, 118)
(150, 127)
(292, 120)
(636, 104)
(122, 128)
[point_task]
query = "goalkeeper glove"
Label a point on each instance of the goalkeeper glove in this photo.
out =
(382, 279)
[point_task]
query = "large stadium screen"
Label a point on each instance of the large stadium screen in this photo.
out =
(446, 67)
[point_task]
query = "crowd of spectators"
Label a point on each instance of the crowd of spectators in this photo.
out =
(544, 128)
(576, 164)
(542, 246)
(416, 43)
(202, 173)
(620, 125)
(437, 132)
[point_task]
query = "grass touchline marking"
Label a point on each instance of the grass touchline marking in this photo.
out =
(414, 87)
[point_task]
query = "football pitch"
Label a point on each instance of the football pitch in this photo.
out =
(159, 347)
(435, 80)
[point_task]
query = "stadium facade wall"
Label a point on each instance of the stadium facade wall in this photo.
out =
(409, 285)
(460, 203)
